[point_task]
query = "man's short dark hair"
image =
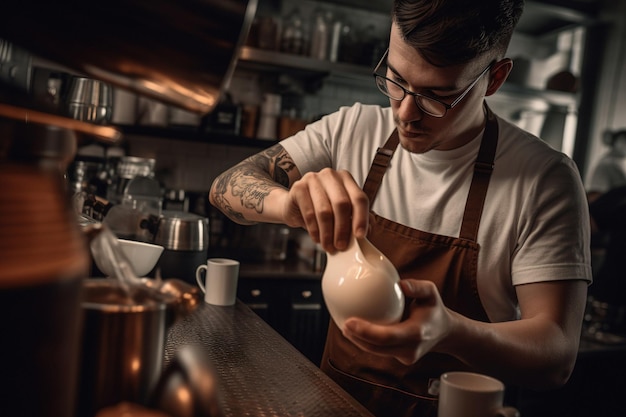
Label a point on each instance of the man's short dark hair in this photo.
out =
(451, 32)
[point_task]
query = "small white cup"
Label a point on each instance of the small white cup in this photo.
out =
(221, 281)
(468, 394)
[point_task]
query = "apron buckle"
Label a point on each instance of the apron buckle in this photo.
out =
(483, 167)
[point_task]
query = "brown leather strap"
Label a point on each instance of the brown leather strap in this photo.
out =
(483, 167)
(380, 165)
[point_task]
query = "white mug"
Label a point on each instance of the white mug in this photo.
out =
(468, 394)
(221, 281)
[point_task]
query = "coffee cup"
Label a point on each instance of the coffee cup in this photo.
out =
(220, 284)
(468, 394)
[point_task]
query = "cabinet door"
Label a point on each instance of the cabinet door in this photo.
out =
(294, 308)
(257, 294)
(308, 318)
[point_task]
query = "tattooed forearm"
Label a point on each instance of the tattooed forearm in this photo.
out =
(250, 182)
(251, 190)
(276, 162)
(224, 205)
(282, 166)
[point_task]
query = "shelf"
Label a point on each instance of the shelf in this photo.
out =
(550, 16)
(194, 135)
(266, 60)
(553, 97)
(376, 6)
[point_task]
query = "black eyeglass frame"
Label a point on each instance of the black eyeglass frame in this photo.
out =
(446, 106)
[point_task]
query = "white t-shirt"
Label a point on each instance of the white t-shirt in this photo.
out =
(534, 225)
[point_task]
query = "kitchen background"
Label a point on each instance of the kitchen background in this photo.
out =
(304, 59)
(565, 85)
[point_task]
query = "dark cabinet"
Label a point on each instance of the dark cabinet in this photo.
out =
(294, 307)
(595, 388)
(256, 294)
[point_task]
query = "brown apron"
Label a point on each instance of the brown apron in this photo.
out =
(384, 385)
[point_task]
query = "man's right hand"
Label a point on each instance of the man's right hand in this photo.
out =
(330, 206)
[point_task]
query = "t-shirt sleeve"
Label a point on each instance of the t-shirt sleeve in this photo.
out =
(554, 236)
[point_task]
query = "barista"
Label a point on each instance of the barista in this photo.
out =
(481, 219)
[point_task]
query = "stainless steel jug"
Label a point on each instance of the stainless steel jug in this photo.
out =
(123, 341)
(123, 345)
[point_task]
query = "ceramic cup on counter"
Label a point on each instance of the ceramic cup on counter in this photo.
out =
(220, 283)
(468, 394)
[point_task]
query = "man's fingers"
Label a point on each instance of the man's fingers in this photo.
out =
(332, 207)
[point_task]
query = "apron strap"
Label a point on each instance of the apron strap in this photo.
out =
(379, 165)
(483, 167)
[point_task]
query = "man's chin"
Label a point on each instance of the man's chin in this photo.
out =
(415, 144)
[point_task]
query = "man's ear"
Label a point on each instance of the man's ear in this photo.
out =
(498, 75)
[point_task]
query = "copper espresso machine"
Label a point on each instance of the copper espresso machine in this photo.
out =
(181, 52)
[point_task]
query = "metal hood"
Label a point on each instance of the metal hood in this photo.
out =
(181, 52)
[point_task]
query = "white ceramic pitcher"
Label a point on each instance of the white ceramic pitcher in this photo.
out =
(361, 282)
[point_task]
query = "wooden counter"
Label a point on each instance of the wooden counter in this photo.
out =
(259, 373)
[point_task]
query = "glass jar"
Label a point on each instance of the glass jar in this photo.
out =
(293, 37)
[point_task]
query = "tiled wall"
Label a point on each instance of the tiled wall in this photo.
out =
(193, 165)
(188, 165)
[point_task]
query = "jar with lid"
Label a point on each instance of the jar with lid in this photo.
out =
(347, 50)
(268, 32)
(370, 46)
(342, 40)
(293, 40)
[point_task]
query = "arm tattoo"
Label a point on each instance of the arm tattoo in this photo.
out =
(252, 180)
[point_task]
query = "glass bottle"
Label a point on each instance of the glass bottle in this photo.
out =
(320, 35)
(293, 39)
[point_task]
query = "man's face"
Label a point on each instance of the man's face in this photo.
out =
(418, 131)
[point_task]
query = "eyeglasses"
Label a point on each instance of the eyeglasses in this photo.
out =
(428, 105)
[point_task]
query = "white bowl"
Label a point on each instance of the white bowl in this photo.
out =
(142, 257)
